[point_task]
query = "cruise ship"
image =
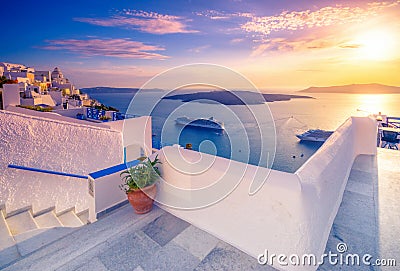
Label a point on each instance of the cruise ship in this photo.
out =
(210, 123)
(315, 135)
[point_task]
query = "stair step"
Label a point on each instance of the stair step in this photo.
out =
(31, 241)
(21, 222)
(84, 216)
(6, 239)
(47, 220)
(22, 233)
(70, 219)
(8, 249)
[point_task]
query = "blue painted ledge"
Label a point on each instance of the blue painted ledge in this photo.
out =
(113, 169)
(47, 171)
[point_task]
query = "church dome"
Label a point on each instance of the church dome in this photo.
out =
(56, 74)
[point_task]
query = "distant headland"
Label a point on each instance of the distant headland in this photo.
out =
(234, 97)
(109, 90)
(355, 89)
(218, 96)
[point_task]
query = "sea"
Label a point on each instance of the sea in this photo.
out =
(266, 140)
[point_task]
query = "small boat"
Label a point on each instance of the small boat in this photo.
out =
(210, 123)
(316, 135)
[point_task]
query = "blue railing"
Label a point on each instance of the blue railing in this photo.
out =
(94, 175)
(47, 171)
(97, 114)
(113, 169)
(393, 120)
(122, 116)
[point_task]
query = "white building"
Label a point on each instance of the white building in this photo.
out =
(11, 95)
(58, 80)
(34, 87)
(10, 66)
(19, 79)
(42, 76)
(18, 72)
(32, 91)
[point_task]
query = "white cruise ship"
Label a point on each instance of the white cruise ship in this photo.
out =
(210, 123)
(315, 135)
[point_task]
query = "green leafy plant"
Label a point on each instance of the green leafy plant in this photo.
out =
(144, 174)
(5, 80)
(36, 108)
(105, 118)
(106, 108)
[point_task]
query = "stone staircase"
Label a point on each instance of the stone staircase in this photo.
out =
(22, 232)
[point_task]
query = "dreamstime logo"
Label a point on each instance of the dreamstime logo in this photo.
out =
(341, 247)
(340, 257)
(201, 179)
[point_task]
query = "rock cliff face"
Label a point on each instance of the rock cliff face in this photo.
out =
(233, 97)
(355, 89)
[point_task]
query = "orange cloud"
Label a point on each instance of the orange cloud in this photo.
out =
(326, 16)
(299, 44)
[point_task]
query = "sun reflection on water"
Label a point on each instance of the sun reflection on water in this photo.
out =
(372, 103)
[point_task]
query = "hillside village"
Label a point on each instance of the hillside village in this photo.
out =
(47, 91)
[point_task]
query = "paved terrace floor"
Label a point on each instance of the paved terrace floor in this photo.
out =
(368, 222)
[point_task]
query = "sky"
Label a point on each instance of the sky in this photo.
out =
(276, 44)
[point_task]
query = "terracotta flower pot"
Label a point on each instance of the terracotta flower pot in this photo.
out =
(142, 199)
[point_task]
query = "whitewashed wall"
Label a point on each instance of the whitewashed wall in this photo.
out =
(10, 95)
(57, 96)
(56, 145)
(70, 112)
(324, 176)
(291, 213)
(137, 133)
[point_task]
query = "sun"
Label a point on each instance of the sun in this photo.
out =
(376, 45)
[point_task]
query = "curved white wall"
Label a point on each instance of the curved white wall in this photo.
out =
(291, 213)
(324, 176)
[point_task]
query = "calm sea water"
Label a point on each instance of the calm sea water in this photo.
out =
(243, 142)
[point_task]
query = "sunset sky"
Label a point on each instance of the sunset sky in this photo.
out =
(276, 44)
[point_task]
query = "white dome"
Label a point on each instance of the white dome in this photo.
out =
(56, 74)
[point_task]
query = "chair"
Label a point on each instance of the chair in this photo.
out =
(390, 139)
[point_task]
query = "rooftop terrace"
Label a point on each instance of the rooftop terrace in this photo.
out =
(368, 222)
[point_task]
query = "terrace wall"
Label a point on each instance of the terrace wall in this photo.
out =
(56, 145)
(290, 214)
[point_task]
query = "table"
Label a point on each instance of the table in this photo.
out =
(390, 129)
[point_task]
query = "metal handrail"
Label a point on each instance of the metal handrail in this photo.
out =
(113, 169)
(48, 171)
(393, 121)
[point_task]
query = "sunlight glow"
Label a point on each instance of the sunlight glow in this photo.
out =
(376, 45)
(373, 103)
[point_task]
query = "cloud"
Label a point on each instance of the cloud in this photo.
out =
(121, 48)
(261, 28)
(117, 70)
(214, 15)
(149, 22)
(326, 16)
(236, 41)
(285, 44)
(199, 49)
(220, 15)
(298, 44)
(350, 46)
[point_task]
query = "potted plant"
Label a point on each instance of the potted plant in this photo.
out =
(105, 118)
(139, 184)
